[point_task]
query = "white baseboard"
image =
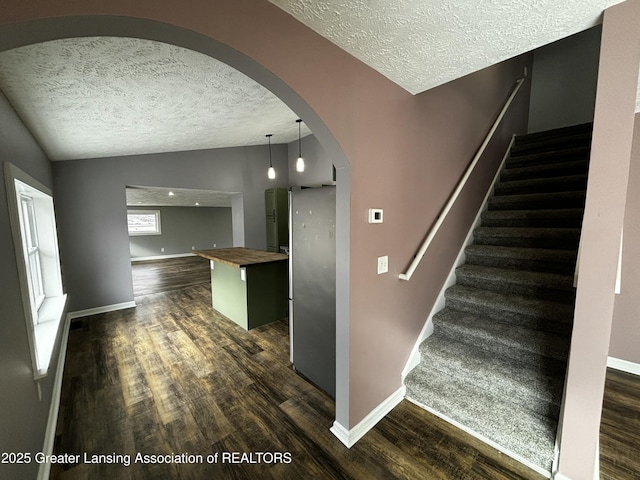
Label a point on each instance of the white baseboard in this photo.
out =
(427, 329)
(54, 407)
(623, 365)
(350, 437)
(162, 257)
(559, 476)
(104, 309)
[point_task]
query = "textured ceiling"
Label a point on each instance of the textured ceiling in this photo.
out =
(106, 96)
(139, 196)
(422, 44)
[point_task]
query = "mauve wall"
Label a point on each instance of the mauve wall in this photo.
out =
(600, 241)
(625, 333)
(405, 154)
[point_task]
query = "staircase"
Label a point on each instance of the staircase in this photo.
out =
(495, 364)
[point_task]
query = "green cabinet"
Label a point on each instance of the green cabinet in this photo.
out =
(276, 202)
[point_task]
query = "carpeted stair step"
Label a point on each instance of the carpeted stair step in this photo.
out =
(564, 218)
(548, 157)
(542, 185)
(559, 168)
(530, 312)
(535, 259)
(525, 434)
(547, 286)
(544, 351)
(558, 136)
(531, 201)
(562, 238)
(496, 360)
(522, 385)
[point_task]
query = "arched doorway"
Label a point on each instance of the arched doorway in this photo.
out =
(15, 35)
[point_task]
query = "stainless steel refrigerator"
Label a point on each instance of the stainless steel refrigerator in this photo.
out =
(312, 284)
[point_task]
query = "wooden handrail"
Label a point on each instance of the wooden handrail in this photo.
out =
(443, 215)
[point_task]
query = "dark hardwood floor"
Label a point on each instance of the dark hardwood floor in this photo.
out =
(155, 276)
(173, 377)
(620, 427)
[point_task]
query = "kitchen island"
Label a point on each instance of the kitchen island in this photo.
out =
(250, 287)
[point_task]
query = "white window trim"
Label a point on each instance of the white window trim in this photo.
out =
(43, 323)
(158, 230)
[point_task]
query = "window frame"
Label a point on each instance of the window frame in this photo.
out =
(43, 316)
(158, 222)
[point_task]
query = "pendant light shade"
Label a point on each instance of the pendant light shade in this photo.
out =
(271, 172)
(300, 161)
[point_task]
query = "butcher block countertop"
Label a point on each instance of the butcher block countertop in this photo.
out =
(240, 256)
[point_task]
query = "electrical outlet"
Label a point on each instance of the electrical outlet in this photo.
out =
(162, 250)
(192, 247)
(214, 245)
(383, 264)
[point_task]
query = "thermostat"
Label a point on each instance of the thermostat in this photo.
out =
(375, 215)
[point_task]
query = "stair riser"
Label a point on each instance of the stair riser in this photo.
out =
(551, 145)
(534, 408)
(547, 158)
(567, 134)
(558, 169)
(536, 202)
(532, 222)
(513, 389)
(562, 295)
(521, 264)
(545, 185)
(547, 360)
(543, 321)
(564, 242)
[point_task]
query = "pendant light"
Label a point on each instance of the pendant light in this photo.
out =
(300, 161)
(271, 173)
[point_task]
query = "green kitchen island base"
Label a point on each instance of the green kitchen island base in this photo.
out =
(250, 287)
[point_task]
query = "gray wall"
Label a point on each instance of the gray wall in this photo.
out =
(318, 165)
(90, 198)
(563, 82)
(24, 414)
(183, 228)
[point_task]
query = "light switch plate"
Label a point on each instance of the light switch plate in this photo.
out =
(383, 264)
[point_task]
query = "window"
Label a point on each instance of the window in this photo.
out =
(31, 246)
(144, 222)
(35, 240)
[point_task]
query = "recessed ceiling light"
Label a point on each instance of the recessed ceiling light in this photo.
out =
(171, 194)
(197, 204)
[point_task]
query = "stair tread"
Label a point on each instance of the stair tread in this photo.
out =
(561, 132)
(534, 259)
(516, 429)
(564, 183)
(537, 213)
(505, 275)
(545, 170)
(516, 381)
(526, 231)
(548, 156)
(556, 255)
(496, 360)
(475, 329)
(516, 304)
(571, 199)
